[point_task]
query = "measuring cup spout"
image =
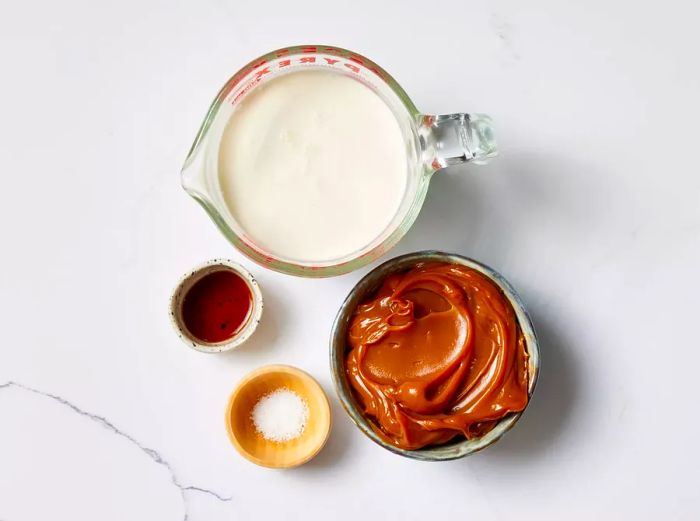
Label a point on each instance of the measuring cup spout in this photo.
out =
(452, 139)
(192, 175)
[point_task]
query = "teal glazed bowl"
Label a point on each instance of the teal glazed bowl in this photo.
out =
(338, 348)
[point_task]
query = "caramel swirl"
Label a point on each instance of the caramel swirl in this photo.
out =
(435, 353)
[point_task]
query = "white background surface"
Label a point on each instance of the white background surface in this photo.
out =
(592, 211)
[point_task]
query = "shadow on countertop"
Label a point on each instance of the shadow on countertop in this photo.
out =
(498, 213)
(552, 406)
(338, 443)
(264, 343)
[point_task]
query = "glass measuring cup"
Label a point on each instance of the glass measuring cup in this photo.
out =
(433, 142)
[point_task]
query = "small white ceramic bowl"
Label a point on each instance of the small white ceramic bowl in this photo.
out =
(186, 283)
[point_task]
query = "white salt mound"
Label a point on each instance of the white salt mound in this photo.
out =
(280, 416)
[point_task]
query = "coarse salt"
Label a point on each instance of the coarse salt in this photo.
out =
(280, 415)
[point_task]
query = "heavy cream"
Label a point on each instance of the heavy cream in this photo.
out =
(313, 166)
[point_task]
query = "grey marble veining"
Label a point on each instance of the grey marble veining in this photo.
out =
(153, 454)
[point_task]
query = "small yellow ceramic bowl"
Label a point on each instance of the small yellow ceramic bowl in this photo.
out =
(251, 444)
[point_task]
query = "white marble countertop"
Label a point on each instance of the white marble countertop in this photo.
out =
(592, 211)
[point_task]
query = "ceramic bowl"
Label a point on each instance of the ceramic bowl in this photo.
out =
(251, 444)
(189, 279)
(338, 348)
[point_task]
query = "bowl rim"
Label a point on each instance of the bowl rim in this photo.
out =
(369, 282)
(296, 373)
(241, 336)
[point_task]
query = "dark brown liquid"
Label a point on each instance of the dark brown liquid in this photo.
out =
(217, 306)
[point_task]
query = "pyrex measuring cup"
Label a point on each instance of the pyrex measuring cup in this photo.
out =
(434, 142)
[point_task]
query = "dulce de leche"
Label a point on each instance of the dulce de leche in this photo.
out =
(436, 353)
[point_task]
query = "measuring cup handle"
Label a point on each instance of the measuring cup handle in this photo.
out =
(452, 139)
